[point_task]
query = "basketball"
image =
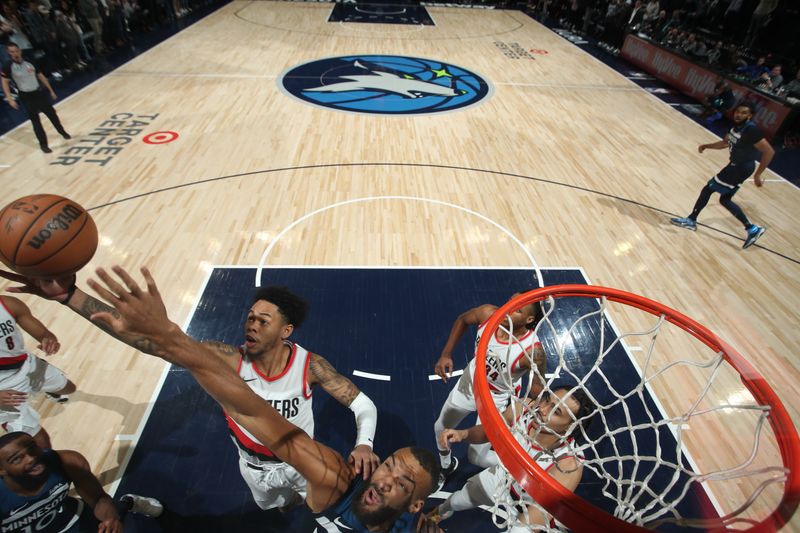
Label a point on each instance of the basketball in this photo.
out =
(46, 236)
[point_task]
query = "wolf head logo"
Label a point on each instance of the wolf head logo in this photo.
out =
(378, 80)
(395, 85)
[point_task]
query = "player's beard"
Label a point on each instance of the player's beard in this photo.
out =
(380, 516)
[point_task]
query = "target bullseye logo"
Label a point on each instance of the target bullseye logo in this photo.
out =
(160, 137)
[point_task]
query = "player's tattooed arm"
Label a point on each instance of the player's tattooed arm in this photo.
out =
(227, 352)
(322, 373)
(86, 306)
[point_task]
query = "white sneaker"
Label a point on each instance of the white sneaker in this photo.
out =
(57, 398)
(142, 505)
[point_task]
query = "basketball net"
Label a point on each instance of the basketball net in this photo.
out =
(640, 478)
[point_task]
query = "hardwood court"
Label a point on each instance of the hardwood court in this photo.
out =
(578, 163)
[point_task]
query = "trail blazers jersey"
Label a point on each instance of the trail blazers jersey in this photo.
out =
(502, 362)
(12, 344)
(287, 392)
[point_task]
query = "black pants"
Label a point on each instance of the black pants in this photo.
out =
(38, 102)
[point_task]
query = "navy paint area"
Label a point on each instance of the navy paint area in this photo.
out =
(383, 321)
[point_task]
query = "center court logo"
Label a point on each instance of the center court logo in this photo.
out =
(385, 85)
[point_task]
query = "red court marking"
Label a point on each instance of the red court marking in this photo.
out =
(160, 137)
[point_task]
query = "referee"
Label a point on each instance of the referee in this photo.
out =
(31, 84)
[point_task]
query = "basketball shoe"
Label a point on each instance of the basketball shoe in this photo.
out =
(142, 505)
(753, 234)
(687, 223)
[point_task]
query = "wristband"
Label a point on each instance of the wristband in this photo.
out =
(70, 291)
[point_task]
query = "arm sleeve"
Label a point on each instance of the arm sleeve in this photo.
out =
(366, 419)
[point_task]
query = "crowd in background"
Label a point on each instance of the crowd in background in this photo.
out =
(754, 41)
(64, 36)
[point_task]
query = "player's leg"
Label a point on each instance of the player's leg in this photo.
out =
(273, 486)
(476, 491)
(456, 407)
(482, 455)
(26, 419)
(51, 380)
(690, 222)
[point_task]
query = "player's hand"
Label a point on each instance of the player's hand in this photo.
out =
(451, 436)
(444, 367)
(139, 313)
(12, 398)
(758, 180)
(426, 525)
(49, 289)
(53, 95)
(363, 460)
(112, 525)
(49, 344)
(13, 103)
(701, 148)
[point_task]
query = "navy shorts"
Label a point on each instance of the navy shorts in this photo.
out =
(728, 180)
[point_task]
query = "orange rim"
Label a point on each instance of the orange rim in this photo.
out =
(575, 512)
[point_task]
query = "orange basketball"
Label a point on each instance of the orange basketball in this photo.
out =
(46, 236)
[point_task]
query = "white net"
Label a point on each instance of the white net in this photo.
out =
(667, 436)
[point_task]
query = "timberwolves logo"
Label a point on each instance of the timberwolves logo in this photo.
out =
(385, 85)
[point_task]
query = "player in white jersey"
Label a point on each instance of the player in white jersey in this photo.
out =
(549, 424)
(508, 358)
(22, 373)
(138, 317)
(281, 373)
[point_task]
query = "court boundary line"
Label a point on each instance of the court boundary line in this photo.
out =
(136, 436)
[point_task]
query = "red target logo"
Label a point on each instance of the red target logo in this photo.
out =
(160, 137)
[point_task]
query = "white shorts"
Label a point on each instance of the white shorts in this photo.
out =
(463, 397)
(273, 484)
(35, 375)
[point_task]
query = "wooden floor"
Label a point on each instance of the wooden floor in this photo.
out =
(578, 163)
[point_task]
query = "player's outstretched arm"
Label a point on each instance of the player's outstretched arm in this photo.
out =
(362, 458)
(474, 316)
(66, 292)
(90, 491)
(48, 342)
(140, 313)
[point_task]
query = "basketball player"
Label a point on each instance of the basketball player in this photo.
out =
(742, 140)
(508, 358)
(34, 492)
(283, 373)
(386, 501)
(22, 373)
(549, 421)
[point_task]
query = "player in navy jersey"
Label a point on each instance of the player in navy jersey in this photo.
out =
(34, 492)
(745, 141)
(388, 500)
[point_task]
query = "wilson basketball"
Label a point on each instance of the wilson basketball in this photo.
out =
(46, 236)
